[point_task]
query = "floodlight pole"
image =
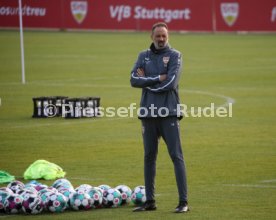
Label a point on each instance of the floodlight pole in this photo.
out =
(21, 42)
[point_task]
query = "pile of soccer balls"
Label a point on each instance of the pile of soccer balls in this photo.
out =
(34, 197)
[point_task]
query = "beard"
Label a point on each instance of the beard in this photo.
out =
(160, 44)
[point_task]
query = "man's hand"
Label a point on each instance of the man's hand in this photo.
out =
(162, 77)
(140, 72)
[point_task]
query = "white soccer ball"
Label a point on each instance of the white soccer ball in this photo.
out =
(138, 196)
(13, 204)
(56, 202)
(32, 204)
(126, 193)
(80, 201)
(68, 193)
(4, 193)
(96, 196)
(16, 185)
(62, 183)
(112, 198)
(45, 195)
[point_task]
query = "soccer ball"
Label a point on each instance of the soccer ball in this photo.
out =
(83, 188)
(16, 185)
(101, 191)
(32, 204)
(56, 202)
(4, 193)
(13, 204)
(138, 196)
(80, 201)
(125, 192)
(96, 198)
(62, 183)
(3, 196)
(68, 193)
(112, 198)
(45, 193)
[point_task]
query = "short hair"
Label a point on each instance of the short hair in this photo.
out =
(159, 24)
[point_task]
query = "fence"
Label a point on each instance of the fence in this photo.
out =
(181, 15)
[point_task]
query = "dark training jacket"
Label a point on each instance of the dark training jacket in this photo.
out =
(159, 99)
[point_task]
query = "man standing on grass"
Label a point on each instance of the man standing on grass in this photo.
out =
(157, 72)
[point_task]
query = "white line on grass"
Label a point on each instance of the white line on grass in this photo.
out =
(268, 181)
(66, 56)
(69, 122)
(84, 178)
(231, 70)
(249, 185)
(64, 82)
(69, 177)
(227, 98)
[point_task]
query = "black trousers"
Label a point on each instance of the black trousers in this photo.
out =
(168, 129)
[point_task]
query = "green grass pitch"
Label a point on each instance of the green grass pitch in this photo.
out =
(231, 162)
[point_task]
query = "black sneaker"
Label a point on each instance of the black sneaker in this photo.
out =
(182, 207)
(148, 206)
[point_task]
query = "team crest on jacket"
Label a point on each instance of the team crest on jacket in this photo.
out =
(229, 12)
(79, 10)
(166, 60)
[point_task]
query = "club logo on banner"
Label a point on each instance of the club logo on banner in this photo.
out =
(79, 10)
(229, 12)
